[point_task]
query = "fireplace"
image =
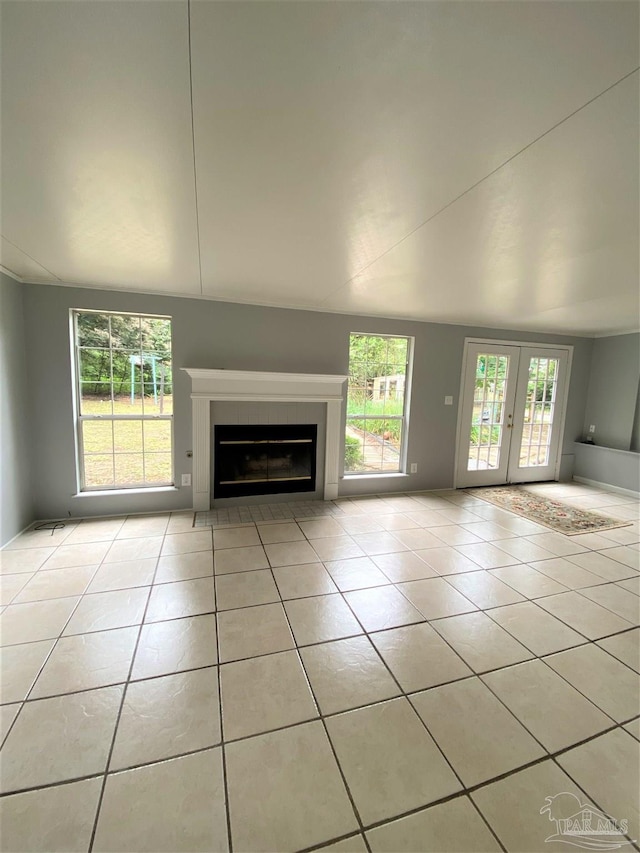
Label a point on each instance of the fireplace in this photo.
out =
(209, 386)
(264, 459)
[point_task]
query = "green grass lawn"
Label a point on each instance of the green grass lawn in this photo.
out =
(126, 452)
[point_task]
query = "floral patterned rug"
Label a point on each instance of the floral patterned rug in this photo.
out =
(559, 516)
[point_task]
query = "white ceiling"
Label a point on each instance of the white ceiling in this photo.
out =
(463, 162)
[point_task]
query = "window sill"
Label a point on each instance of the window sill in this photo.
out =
(120, 492)
(373, 476)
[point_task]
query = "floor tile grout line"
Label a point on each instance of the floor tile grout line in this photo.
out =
(119, 716)
(406, 694)
(452, 499)
(427, 529)
(594, 641)
(535, 737)
(592, 798)
(478, 675)
(350, 836)
(55, 640)
(403, 694)
(432, 622)
(457, 546)
(17, 592)
(612, 583)
(464, 789)
(48, 785)
(487, 824)
(223, 752)
(396, 584)
(572, 747)
(350, 796)
(587, 639)
(483, 672)
(424, 723)
(597, 642)
(469, 791)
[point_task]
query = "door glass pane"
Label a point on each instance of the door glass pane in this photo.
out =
(485, 439)
(538, 412)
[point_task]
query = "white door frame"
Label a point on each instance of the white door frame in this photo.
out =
(497, 342)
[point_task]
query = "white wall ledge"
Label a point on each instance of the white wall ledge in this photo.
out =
(634, 453)
(617, 469)
(375, 476)
(101, 493)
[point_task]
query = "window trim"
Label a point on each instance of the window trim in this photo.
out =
(408, 376)
(79, 419)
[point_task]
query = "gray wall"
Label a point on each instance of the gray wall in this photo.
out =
(16, 506)
(613, 390)
(635, 434)
(619, 468)
(226, 335)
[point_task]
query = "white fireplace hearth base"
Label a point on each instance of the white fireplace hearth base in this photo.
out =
(253, 386)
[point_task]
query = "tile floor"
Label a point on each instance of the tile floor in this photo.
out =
(412, 672)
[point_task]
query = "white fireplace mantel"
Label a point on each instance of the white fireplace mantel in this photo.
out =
(255, 386)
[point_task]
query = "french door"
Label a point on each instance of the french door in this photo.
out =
(511, 415)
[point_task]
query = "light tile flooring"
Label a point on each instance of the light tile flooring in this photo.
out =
(413, 672)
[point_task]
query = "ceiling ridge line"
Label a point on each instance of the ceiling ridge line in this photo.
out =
(193, 147)
(478, 182)
(42, 266)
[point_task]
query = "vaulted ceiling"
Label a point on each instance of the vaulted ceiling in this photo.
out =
(462, 162)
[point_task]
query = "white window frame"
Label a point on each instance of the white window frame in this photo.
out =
(404, 417)
(80, 418)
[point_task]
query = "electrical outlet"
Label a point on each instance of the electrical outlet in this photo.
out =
(592, 428)
(186, 479)
(414, 468)
(448, 401)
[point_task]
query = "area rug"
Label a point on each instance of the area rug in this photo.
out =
(559, 516)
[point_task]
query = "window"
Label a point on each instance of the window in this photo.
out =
(376, 408)
(124, 400)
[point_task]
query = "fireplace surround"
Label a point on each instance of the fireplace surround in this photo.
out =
(255, 386)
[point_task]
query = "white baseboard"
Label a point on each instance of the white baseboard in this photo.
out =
(76, 519)
(24, 530)
(607, 487)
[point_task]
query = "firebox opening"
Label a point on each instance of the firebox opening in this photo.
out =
(264, 459)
